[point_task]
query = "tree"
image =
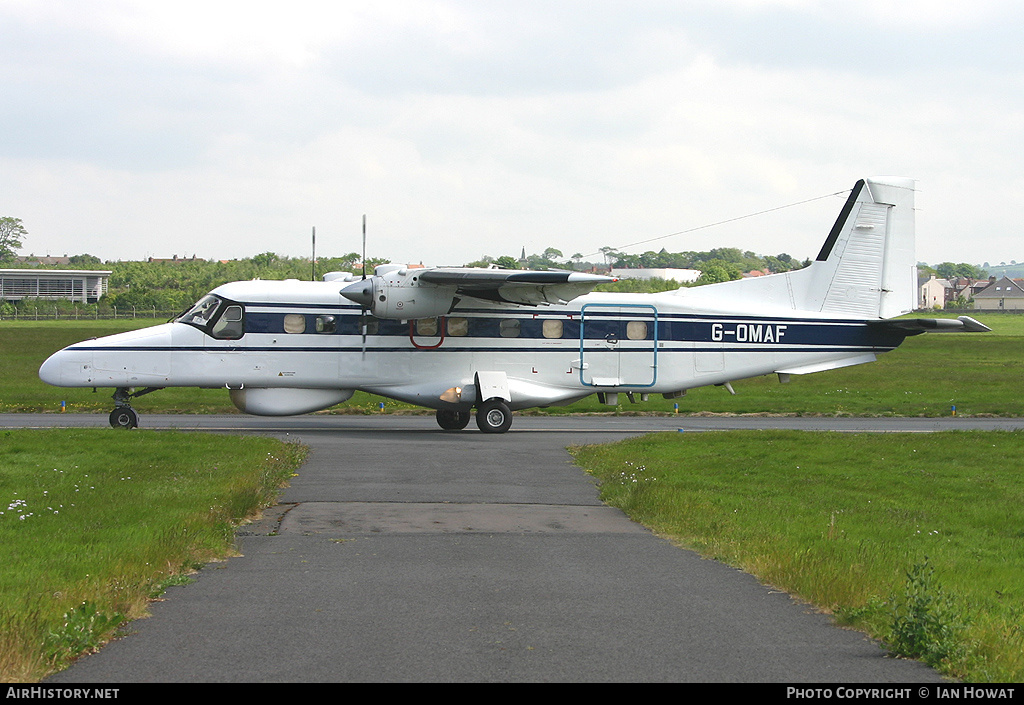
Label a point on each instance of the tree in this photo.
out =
(717, 270)
(265, 259)
(84, 260)
(11, 232)
(950, 270)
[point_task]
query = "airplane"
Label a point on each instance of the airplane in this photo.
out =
(492, 341)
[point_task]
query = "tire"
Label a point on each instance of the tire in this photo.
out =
(124, 417)
(494, 416)
(451, 420)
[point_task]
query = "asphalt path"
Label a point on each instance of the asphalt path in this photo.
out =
(403, 553)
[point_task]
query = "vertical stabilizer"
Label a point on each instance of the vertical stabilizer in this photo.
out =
(867, 266)
(866, 269)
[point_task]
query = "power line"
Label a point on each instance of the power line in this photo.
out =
(728, 220)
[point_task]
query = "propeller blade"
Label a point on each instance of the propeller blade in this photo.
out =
(362, 314)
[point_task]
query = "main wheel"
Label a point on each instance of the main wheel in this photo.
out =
(494, 416)
(451, 420)
(124, 417)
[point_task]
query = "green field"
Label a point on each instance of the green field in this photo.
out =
(978, 373)
(914, 538)
(95, 523)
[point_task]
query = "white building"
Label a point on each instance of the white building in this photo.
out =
(679, 275)
(86, 286)
(934, 293)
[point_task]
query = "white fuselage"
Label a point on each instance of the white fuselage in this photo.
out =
(303, 336)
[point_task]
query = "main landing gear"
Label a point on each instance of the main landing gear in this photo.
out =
(451, 420)
(493, 416)
(123, 415)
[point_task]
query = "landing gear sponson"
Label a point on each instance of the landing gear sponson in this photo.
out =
(123, 415)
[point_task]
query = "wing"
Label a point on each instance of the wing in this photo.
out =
(529, 288)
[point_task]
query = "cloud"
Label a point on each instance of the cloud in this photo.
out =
(461, 129)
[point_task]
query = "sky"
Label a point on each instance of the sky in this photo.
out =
(223, 129)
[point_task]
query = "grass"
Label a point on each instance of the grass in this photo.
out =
(928, 375)
(94, 524)
(914, 538)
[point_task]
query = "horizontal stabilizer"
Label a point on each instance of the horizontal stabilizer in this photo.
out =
(914, 326)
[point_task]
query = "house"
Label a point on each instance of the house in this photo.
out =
(1001, 295)
(44, 261)
(934, 293)
(937, 293)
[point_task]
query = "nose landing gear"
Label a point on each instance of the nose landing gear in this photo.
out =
(123, 415)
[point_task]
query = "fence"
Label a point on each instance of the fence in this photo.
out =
(54, 313)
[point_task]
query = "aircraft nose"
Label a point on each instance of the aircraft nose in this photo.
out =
(67, 368)
(49, 371)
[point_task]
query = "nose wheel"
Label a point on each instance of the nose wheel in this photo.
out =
(124, 417)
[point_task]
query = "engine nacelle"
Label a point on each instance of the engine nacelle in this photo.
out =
(285, 401)
(399, 295)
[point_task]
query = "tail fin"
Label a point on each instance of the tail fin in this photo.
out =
(866, 269)
(867, 266)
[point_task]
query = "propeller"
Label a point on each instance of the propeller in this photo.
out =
(361, 292)
(365, 296)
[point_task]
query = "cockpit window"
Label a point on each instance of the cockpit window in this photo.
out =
(200, 314)
(217, 317)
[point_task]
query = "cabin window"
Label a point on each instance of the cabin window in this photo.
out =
(636, 330)
(509, 328)
(326, 324)
(458, 327)
(294, 323)
(229, 325)
(426, 326)
(552, 328)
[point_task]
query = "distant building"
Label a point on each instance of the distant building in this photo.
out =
(934, 293)
(1001, 295)
(937, 293)
(44, 261)
(86, 286)
(679, 275)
